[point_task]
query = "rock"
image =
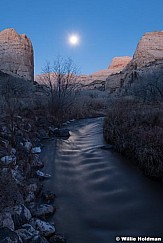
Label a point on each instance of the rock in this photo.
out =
(52, 130)
(9, 191)
(119, 63)
(43, 134)
(97, 79)
(6, 220)
(28, 146)
(41, 210)
(30, 197)
(36, 162)
(45, 228)
(72, 120)
(4, 142)
(42, 175)
(16, 54)
(61, 133)
(33, 187)
(25, 235)
(20, 215)
(43, 240)
(36, 150)
(147, 64)
(30, 229)
(49, 196)
(28, 234)
(57, 238)
(149, 49)
(13, 151)
(17, 174)
(9, 236)
(8, 159)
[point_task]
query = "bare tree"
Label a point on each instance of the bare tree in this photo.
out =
(61, 80)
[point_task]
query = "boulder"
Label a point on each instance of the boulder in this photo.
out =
(36, 162)
(9, 191)
(62, 133)
(25, 235)
(42, 175)
(6, 220)
(30, 197)
(28, 146)
(28, 234)
(33, 186)
(13, 151)
(9, 236)
(36, 150)
(52, 130)
(8, 159)
(4, 142)
(45, 228)
(43, 134)
(17, 174)
(41, 210)
(20, 215)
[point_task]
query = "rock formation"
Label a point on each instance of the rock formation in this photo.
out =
(16, 54)
(149, 49)
(97, 79)
(119, 63)
(147, 62)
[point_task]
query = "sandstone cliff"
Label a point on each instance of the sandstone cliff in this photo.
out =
(147, 62)
(119, 63)
(16, 54)
(97, 79)
(149, 49)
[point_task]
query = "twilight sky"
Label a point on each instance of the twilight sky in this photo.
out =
(107, 28)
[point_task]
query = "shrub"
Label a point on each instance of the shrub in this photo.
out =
(136, 131)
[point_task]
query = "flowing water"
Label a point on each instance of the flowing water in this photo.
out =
(100, 195)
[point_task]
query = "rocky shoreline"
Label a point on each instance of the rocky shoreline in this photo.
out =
(25, 207)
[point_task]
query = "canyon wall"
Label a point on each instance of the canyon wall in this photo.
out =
(97, 79)
(16, 54)
(147, 62)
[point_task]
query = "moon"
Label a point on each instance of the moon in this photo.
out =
(74, 39)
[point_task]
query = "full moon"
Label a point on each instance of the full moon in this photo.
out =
(73, 40)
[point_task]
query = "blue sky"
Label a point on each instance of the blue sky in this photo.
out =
(107, 28)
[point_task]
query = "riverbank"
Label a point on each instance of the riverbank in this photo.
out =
(26, 207)
(135, 129)
(21, 177)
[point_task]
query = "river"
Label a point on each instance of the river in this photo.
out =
(100, 195)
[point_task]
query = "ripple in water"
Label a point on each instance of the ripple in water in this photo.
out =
(100, 194)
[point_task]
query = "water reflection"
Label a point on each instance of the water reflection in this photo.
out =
(100, 195)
